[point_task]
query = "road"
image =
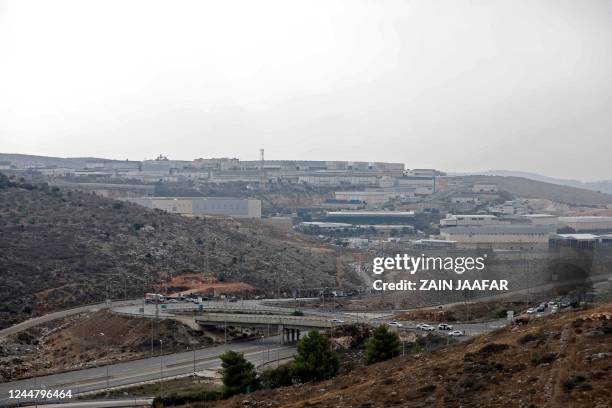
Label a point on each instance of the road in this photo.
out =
(64, 313)
(149, 369)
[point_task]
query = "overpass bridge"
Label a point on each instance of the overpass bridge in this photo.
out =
(290, 327)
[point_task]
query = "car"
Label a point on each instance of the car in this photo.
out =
(233, 300)
(425, 327)
(394, 324)
(531, 310)
(444, 326)
(336, 321)
(541, 309)
(455, 333)
(172, 301)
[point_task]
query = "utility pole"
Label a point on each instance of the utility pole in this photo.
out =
(262, 176)
(161, 369)
(107, 362)
(194, 360)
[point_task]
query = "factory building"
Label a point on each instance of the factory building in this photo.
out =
(504, 236)
(371, 217)
(469, 220)
(586, 223)
(194, 206)
(371, 199)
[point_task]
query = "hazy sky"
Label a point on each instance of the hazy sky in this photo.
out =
(458, 85)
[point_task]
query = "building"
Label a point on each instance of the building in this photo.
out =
(371, 199)
(586, 223)
(335, 179)
(504, 236)
(469, 220)
(485, 189)
(542, 219)
(465, 199)
(421, 185)
(194, 206)
(371, 217)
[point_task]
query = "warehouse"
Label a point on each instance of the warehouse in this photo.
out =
(194, 206)
(585, 224)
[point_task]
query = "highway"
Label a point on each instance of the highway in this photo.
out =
(149, 369)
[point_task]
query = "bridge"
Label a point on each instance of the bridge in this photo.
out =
(289, 326)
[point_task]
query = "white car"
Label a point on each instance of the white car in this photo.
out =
(455, 333)
(172, 301)
(394, 324)
(425, 327)
(531, 311)
(336, 321)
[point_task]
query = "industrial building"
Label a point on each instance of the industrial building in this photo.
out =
(504, 236)
(194, 206)
(371, 199)
(586, 223)
(470, 220)
(371, 217)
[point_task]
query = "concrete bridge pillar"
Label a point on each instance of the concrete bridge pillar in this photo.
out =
(281, 331)
(298, 334)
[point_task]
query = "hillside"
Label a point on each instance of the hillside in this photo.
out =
(64, 248)
(525, 188)
(604, 186)
(562, 360)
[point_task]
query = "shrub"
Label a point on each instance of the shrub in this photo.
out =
(573, 381)
(383, 345)
(238, 374)
(277, 377)
(315, 360)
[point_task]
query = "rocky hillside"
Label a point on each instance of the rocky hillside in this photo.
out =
(564, 360)
(64, 248)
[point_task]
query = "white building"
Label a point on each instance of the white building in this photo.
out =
(469, 220)
(586, 223)
(542, 219)
(505, 236)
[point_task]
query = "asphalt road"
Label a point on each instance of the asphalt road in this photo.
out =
(149, 369)
(63, 313)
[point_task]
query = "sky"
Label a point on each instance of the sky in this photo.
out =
(458, 85)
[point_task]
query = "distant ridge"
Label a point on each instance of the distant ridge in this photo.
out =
(68, 162)
(604, 186)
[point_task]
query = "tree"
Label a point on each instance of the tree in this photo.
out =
(383, 345)
(315, 360)
(239, 375)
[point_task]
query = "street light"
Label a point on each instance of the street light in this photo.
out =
(107, 374)
(263, 353)
(161, 369)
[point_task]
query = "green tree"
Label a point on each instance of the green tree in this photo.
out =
(315, 360)
(383, 345)
(239, 375)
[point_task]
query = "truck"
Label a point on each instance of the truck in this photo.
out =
(154, 298)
